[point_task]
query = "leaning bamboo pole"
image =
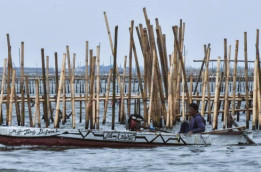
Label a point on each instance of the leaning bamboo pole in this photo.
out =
(108, 30)
(152, 86)
(56, 120)
(160, 105)
(215, 115)
(2, 90)
(139, 79)
(181, 63)
(205, 83)
(11, 98)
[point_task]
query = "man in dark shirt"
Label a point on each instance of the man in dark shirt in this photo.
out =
(197, 122)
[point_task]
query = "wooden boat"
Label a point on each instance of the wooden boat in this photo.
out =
(15, 136)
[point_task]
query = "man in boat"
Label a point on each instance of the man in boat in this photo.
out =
(135, 122)
(197, 122)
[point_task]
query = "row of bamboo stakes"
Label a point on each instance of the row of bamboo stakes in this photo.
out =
(164, 89)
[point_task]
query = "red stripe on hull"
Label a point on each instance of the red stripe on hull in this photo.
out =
(62, 141)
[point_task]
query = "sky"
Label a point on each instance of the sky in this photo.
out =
(53, 24)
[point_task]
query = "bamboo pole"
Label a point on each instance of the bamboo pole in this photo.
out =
(11, 99)
(17, 109)
(64, 116)
(255, 97)
(139, 78)
(205, 83)
(181, 62)
(169, 110)
(159, 105)
(258, 99)
(152, 86)
(123, 88)
(72, 91)
(121, 92)
(86, 80)
(56, 120)
(226, 108)
(37, 102)
(107, 97)
(48, 89)
(246, 81)
(162, 58)
(191, 86)
(130, 68)
(234, 80)
(28, 101)
(114, 75)
(108, 30)
(90, 102)
(208, 101)
(71, 85)
(174, 94)
(22, 84)
(9, 74)
(98, 88)
(215, 115)
(2, 90)
(45, 115)
(171, 93)
(183, 96)
(56, 73)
